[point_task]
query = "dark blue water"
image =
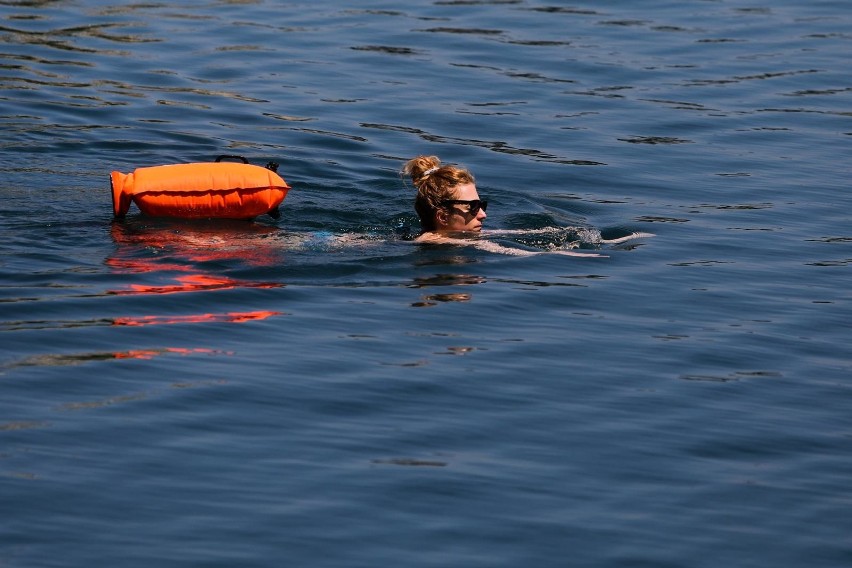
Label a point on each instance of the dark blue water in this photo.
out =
(318, 391)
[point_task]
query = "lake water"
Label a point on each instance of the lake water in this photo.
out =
(318, 391)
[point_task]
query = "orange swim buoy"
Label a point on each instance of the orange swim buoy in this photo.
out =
(218, 189)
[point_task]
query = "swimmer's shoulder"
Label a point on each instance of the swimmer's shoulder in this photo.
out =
(432, 238)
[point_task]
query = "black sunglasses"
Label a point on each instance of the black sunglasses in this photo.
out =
(474, 204)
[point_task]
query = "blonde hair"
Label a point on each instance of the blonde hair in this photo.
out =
(435, 183)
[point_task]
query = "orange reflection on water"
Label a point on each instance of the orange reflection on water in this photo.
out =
(172, 256)
(196, 241)
(230, 317)
(161, 246)
(196, 283)
(126, 265)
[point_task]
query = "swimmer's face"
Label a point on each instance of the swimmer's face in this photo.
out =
(461, 216)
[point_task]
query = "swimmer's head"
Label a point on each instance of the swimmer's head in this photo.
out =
(447, 199)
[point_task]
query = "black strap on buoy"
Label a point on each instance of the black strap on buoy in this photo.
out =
(272, 166)
(226, 157)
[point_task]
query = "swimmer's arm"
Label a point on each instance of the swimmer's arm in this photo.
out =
(501, 249)
(546, 230)
(490, 246)
(629, 237)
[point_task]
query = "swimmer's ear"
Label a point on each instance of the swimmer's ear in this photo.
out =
(441, 217)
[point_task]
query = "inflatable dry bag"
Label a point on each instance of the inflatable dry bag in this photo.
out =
(200, 190)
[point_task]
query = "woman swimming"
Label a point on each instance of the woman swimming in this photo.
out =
(447, 201)
(450, 209)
